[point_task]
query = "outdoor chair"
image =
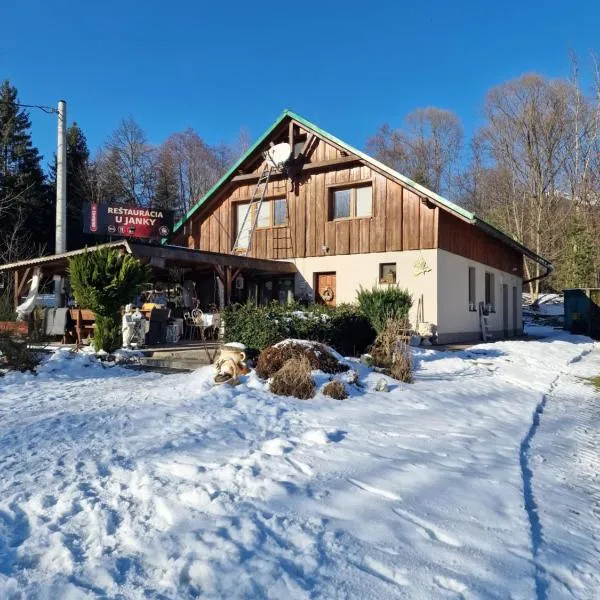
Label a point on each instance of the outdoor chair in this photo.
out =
(191, 326)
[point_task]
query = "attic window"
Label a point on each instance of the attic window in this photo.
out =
(351, 202)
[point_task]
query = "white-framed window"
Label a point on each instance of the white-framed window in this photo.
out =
(490, 300)
(351, 202)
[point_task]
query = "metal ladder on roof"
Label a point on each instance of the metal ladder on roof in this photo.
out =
(257, 199)
(484, 325)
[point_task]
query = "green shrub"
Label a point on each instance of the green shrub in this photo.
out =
(7, 311)
(343, 327)
(15, 354)
(380, 304)
(104, 280)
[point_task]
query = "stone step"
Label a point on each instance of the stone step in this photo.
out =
(174, 364)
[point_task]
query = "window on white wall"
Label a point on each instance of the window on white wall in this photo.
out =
(472, 290)
(490, 303)
(387, 273)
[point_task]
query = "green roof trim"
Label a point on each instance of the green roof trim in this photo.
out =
(436, 198)
(409, 182)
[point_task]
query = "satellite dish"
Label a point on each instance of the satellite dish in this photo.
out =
(277, 155)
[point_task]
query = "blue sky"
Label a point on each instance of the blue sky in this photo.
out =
(220, 66)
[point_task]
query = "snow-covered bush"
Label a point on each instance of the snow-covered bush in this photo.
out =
(294, 379)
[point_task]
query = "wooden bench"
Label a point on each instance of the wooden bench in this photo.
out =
(85, 321)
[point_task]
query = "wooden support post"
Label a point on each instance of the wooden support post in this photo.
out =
(16, 288)
(228, 285)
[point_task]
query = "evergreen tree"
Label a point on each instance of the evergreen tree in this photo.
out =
(166, 190)
(104, 280)
(79, 186)
(24, 198)
(576, 265)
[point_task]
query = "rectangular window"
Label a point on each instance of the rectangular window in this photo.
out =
(472, 290)
(351, 202)
(264, 214)
(341, 204)
(490, 303)
(272, 213)
(364, 201)
(387, 273)
(279, 211)
(243, 225)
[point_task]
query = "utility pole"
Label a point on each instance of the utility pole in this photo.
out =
(61, 193)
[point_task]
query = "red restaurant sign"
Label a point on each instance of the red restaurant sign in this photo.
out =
(127, 221)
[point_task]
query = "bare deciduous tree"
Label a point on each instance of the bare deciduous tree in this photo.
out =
(427, 148)
(125, 166)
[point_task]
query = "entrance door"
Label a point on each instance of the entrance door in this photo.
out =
(325, 292)
(505, 309)
(515, 313)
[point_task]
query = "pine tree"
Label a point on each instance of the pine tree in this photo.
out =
(24, 198)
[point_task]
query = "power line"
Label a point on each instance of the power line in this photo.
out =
(47, 109)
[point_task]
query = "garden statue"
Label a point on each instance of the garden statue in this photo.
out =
(231, 364)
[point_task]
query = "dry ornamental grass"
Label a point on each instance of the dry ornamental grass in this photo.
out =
(335, 389)
(273, 358)
(294, 379)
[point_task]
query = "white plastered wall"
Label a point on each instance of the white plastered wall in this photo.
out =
(455, 321)
(354, 270)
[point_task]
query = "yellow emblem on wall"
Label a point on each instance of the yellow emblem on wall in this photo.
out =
(421, 267)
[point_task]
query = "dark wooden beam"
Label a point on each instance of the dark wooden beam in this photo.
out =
(309, 140)
(189, 257)
(220, 273)
(307, 168)
(228, 285)
(291, 136)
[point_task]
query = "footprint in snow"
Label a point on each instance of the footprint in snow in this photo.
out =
(382, 571)
(450, 584)
(389, 495)
(434, 533)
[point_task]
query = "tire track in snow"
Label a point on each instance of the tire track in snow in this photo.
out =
(531, 508)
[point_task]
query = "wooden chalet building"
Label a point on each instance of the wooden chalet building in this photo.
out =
(345, 220)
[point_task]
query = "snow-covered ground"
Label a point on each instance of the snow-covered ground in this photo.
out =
(480, 480)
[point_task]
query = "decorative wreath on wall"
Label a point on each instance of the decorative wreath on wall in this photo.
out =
(327, 294)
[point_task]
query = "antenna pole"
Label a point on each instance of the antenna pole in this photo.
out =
(61, 193)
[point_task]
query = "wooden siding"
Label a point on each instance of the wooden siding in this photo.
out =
(400, 220)
(464, 239)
